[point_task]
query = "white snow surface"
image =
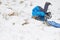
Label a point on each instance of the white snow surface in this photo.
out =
(11, 27)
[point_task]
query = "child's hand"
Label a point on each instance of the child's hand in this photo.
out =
(34, 17)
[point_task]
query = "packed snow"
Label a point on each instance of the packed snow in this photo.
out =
(16, 22)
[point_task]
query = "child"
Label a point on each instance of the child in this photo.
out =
(40, 13)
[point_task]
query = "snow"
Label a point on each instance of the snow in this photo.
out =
(11, 27)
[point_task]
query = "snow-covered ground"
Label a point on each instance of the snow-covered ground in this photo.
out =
(14, 14)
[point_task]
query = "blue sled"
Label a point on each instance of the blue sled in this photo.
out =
(52, 23)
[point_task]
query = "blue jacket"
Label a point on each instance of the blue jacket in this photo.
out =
(37, 12)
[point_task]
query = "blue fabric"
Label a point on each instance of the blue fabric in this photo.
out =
(37, 8)
(37, 12)
(52, 23)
